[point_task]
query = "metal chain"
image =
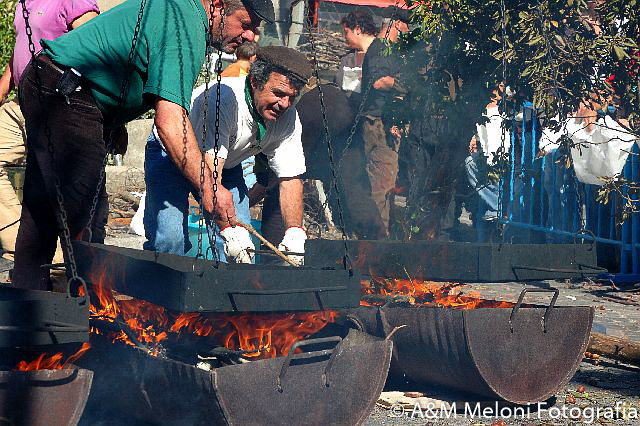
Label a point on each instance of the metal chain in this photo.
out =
(363, 101)
(211, 234)
(216, 136)
(202, 145)
(66, 234)
(327, 135)
(124, 90)
(356, 120)
(500, 160)
(561, 105)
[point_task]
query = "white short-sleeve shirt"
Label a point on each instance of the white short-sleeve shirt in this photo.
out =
(237, 141)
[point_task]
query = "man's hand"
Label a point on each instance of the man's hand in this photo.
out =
(293, 241)
(237, 243)
(224, 209)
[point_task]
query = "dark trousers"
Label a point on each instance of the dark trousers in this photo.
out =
(74, 131)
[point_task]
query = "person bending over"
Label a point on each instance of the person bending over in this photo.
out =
(256, 116)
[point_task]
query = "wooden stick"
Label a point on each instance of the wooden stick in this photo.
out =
(267, 243)
(615, 348)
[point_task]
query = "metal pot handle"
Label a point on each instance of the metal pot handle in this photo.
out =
(555, 292)
(290, 356)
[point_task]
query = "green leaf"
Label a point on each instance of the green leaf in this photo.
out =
(620, 53)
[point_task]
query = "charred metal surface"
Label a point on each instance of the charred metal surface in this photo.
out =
(431, 260)
(187, 284)
(332, 385)
(43, 397)
(34, 318)
(491, 352)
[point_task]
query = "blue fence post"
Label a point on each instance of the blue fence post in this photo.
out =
(523, 165)
(635, 228)
(512, 169)
(624, 252)
(561, 198)
(533, 160)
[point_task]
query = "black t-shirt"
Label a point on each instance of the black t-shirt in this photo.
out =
(375, 66)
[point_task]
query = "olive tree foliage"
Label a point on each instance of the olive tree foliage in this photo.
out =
(559, 54)
(7, 31)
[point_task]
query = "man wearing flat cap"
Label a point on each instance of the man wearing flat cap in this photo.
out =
(256, 115)
(83, 88)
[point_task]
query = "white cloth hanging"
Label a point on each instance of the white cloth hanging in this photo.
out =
(601, 152)
(490, 134)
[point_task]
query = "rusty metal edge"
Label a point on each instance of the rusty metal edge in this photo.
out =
(86, 380)
(388, 348)
(80, 407)
(561, 384)
(221, 401)
(380, 385)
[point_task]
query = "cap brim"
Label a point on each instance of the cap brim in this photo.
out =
(266, 15)
(270, 18)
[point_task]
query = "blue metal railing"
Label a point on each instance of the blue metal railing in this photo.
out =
(545, 196)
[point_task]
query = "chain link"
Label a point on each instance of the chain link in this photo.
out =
(66, 234)
(561, 105)
(327, 135)
(363, 101)
(216, 136)
(124, 91)
(212, 235)
(336, 169)
(502, 151)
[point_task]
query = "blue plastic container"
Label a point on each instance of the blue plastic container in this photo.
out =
(193, 218)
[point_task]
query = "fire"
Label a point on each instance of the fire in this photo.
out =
(417, 292)
(53, 362)
(261, 335)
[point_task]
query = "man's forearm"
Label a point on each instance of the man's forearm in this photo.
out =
(174, 129)
(225, 208)
(291, 201)
(6, 82)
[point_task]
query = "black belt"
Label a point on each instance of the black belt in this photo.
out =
(42, 57)
(69, 81)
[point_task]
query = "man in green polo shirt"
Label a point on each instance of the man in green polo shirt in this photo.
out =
(71, 99)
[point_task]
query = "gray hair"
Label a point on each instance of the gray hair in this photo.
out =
(261, 70)
(231, 6)
(246, 50)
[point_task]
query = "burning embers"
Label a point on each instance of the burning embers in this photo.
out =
(52, 362)
(251, 335)
(379, 291)
(254, 336)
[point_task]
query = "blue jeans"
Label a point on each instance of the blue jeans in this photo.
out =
(167, 201)
(488, 192)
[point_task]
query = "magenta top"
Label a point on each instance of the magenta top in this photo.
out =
(48, 19)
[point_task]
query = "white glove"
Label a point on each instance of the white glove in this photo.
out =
(293, 241)
(237, 241)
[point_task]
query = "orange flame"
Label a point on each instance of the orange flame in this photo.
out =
(417, 292)
(53, 362)
(264, 335)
